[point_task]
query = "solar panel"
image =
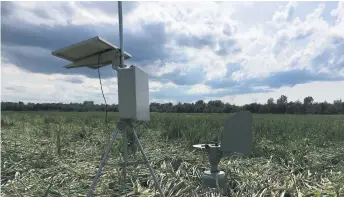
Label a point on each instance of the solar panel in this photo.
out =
(90, 53)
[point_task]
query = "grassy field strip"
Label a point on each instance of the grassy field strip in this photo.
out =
(293, 155)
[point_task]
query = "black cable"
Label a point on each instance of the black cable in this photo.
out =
(101, 87)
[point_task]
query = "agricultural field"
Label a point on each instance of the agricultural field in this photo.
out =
(57, 154)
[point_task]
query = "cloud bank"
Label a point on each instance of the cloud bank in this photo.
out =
(192, 51)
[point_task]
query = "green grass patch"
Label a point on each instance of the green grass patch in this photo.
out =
(57, 154)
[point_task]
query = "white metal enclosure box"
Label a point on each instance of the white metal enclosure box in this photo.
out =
(133, 94)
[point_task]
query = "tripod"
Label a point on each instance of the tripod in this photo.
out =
(125, 126)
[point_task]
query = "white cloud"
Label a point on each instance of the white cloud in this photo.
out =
(279, 41)
(339, 12)
(59, 88)
(209, 19)
(285, 14)
(186, 17)
(155, 86)
(267, 52)
(59, 13)
(203, 89)
(20, 85)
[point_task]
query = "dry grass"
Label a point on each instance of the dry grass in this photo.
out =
(292, 156)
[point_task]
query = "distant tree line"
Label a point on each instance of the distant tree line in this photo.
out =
(281, 106)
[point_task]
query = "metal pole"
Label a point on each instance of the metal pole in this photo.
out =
(120, 21)
(157, 185)
(121, 60)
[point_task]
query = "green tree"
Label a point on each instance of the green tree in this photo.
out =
(282, 104)
(308, 105)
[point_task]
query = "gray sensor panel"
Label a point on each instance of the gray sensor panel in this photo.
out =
(237, 136)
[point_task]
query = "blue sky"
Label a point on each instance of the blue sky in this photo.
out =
(237, 52)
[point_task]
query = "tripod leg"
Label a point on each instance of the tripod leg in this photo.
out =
(103, 161)
(125, 153)
(148, 165)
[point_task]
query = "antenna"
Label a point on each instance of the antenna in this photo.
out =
(236, 139)
(133, 90)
